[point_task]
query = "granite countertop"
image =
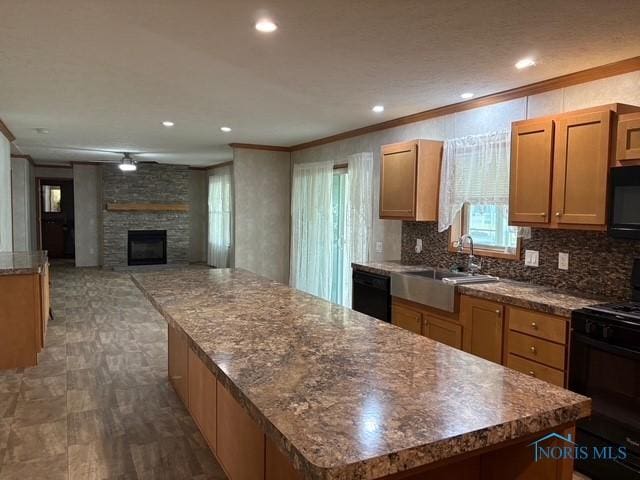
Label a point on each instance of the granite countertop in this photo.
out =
(20, 263)
(527, 295)
(342, 394)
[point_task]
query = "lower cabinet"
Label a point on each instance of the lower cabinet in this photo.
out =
(483, 323)
(203, 398)
(407, 318)
(444, 331)
(178, 364)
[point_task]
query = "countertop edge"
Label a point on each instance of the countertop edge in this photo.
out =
(395, 462)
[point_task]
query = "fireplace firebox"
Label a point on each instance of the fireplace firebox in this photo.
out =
(147, 247)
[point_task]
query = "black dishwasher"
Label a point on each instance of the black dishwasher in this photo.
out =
(372, 295)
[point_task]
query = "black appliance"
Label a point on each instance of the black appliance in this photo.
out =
(605, 365)
(372, 295)
(624, 217)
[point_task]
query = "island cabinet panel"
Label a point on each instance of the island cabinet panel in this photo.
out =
(482, 323)
(240, 446)
(628, 141)
(531, 167)
(20, 321)
(581, 165)
(407, 318)
(202, 398)
(443, 331)
(278, 466)
(45, 303)
(410, 179)
(178, 364)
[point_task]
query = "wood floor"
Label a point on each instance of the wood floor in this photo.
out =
(98, 406)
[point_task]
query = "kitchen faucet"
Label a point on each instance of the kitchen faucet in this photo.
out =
(473, 265)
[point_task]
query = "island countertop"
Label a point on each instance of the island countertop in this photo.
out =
(20, 263)
(343, 394)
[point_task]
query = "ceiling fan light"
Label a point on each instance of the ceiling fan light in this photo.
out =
(127, 164)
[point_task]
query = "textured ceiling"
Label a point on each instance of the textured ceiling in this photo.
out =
(105, 74)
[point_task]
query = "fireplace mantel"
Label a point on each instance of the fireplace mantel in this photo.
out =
(147, 207)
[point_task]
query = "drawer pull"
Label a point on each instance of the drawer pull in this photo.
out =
(534, 325)
(498, 312)
(532, 373)
(533, 349)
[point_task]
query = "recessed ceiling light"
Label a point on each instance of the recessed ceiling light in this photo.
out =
(266, 26)
(225, 129)
(168, 123)
(378, 108)
(42, 131)
(525, 63)
(466, 95)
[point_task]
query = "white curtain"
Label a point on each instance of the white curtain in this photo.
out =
(219, 218)
(359, 216)
(312, 228)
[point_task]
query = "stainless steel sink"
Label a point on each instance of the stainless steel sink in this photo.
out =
(433, 287)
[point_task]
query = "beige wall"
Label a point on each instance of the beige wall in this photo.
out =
(23, 205)
(87, 212)
(6, 227)
(622, 89)
(198, 185)
(262, 191)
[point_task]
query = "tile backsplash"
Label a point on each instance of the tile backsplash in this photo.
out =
(598, 265)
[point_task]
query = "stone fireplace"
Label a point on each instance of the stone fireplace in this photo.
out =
(150, 185)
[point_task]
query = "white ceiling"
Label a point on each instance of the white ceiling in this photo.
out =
(105, 74)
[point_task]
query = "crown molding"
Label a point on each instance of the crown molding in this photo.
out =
(253, 146)
(6, 132)
(584, 76)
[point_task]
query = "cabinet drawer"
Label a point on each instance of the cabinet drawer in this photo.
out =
(536, 370)
(537, 324)
(536, 349)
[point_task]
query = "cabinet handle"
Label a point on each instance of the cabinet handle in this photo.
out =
(543, 214)
(558, 214)
(498, 312)
(533, 349)
(532, 373)
(534, 325)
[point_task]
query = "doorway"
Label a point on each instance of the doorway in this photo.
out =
(56, 217)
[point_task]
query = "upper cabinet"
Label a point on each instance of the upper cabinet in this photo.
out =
(560, 168)
(409, 180)
(628, 142)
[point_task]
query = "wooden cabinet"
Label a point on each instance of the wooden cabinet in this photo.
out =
(178, 364)
(443, 331)
(531, 167)
(560, 168)
(24, 315)
(241, 442)
(482, 323)
(410, 180)
(628, 139)
(202, 397)
(581, 166)
(406, 318)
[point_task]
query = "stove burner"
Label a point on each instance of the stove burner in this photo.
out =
(628, 310)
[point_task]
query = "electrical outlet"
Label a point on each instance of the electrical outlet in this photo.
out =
(418, 245)
(379, 246)
(563, 261)
(531, 258)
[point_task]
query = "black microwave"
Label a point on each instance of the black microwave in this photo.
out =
(624, 217)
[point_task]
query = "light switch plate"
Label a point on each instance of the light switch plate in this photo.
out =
(563, 261)
(531, 258)
(379, 246)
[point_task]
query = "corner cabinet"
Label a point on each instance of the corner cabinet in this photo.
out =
(410, 180)
(560, 168)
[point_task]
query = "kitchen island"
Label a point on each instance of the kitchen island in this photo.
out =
(286, 385)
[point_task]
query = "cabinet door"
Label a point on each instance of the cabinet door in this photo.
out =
(178, 364)
(530, 176)
(482, 321)
(407, 318)
(628, 141)
(241, 449)
(398, 177)
(202, 398)
(444, 331)
(581, 167)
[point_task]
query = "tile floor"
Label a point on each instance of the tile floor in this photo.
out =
(98, 405)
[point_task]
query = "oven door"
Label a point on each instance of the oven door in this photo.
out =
(624, 217)
(610, 375)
